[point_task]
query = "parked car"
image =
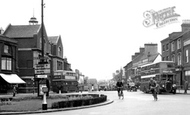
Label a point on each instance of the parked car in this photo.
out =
(132, 86)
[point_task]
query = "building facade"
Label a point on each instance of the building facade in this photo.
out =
(29, 42)
(176, 48)
(9, 64)
(63, 78)
(30, 48)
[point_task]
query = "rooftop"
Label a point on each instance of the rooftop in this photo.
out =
(21, 31)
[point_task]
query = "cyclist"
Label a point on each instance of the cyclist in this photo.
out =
(119, 86)
(153, 88)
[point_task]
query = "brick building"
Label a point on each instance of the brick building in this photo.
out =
(29, 41)
(176, 48)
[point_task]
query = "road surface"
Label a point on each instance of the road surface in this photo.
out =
(136, 103)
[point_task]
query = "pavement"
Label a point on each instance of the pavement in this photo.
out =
(51, 110)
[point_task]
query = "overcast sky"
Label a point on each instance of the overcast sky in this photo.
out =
(99, 36)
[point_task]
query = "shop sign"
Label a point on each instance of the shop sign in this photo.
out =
(42, 71)
(41, 76)
(70, 77)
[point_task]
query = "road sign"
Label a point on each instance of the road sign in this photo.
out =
(42, 71)
(42, 66)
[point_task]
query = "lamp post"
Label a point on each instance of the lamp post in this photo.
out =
(42, 60)
(42, 29)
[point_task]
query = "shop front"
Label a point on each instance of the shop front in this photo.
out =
(8, 81)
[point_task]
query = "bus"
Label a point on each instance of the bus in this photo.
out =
(65, 81)
(163, 73)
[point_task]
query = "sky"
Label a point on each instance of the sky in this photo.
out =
(99, 36)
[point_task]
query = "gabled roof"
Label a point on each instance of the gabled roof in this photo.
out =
(53, 39)
(153, 57)
(21, 31)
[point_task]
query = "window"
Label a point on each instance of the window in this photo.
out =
(59, 65)
(59, 51)
(6, 63)
(179, 59)
(178, 43)
(163, 48)
(163, 59)
(187, 56)
(173, 57)
(172, 46)
(167, 47)
(7, 49)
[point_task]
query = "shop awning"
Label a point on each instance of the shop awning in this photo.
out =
(12, 78)
(149, 76)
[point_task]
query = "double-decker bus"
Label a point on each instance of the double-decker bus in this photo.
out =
(65, 81)
(163, 72)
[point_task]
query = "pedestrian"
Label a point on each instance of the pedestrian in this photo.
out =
(153, 88)
(14, 90)
(185, 86)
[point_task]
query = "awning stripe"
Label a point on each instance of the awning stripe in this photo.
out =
(12, 78)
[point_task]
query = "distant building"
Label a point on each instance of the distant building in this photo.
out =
(63, 78)
(147, 54)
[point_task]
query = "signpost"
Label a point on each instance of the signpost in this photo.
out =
(42, 71)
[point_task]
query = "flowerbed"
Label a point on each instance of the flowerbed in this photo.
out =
(22, 103)
(80, 100)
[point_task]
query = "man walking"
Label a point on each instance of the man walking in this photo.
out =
(14, 91)
(185, 86)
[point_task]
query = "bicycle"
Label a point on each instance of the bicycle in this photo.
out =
(120, 92)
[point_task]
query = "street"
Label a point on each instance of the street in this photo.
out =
(136, 103)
